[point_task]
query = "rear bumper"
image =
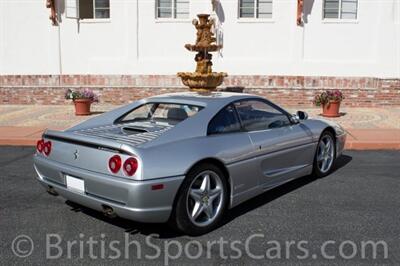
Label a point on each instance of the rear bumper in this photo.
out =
(130, 199)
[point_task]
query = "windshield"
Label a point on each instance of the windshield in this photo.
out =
(171, 113)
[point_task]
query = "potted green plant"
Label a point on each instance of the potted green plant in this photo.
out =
(330, 101)
(82, 100)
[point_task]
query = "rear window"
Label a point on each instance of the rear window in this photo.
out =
(171, 113)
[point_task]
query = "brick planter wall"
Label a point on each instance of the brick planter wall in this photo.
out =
(121, 89)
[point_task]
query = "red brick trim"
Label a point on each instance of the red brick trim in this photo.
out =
(120, 89)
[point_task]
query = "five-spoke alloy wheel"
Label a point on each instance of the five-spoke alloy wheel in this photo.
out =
(205, 198)
(201, 200)
(325, 155)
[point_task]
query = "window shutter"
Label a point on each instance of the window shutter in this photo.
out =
(72, 9)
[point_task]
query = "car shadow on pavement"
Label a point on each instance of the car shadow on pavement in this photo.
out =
(163, 231)
(279, 191)
(130, 227)
(97, 112)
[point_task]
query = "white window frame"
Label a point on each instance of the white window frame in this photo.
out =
(172, 19)
(255, 19)
(85, 20)
(72, 6)
(339, 19)
(101, 8)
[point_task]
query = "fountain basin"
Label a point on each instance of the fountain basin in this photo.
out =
(202, 48)
(202, 82)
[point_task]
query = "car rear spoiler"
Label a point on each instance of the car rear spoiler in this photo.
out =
(94, 142)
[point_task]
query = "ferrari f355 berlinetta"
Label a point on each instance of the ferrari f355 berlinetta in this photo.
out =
(184, 158)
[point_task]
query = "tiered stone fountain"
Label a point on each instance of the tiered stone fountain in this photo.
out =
(203, 79)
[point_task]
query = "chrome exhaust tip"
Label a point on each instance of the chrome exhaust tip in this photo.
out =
(52, 191)
(108, 211)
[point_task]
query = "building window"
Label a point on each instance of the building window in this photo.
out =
(340, 9)
(255, 8)
(94, 9)
(172, 9)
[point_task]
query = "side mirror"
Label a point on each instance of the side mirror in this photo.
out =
(294, 119)
(302, 115)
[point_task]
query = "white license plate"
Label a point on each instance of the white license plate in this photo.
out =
(75, 184)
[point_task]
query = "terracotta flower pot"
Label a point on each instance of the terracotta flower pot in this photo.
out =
(82, 106)
(331, 109)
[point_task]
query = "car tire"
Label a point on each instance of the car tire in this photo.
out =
(198, 206)
(325, 155)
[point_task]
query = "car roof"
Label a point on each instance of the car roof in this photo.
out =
(201, 98)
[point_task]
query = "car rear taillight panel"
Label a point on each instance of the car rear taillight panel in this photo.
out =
(130, 166)
(44, 147)
(47, 148)
(114, 164)
(40, 146)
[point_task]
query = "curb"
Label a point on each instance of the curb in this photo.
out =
(358, 145)
(18, 142)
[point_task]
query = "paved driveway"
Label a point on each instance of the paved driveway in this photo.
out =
(307, 221)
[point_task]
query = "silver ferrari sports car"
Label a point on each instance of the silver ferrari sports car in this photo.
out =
(184, 158)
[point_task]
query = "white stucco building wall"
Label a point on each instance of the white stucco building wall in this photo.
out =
(133, 41)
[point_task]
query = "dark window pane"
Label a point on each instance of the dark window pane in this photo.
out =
(102, 3)
(331, 9)
(258, 115)
(224, 122)
(164, 8)
(247, 8)
(86, 9)
(331, 14)
(164, 13)
(102, 13)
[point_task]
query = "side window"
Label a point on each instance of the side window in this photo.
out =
(224, 122)
(258, 115)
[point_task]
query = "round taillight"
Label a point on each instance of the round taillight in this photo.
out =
(130, 166)
(47, 148)
(114, 164)
(40, 145)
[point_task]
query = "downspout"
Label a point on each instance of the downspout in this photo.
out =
(396, 20)
(60, 70)
(137, 30)
(55, 15)
(59, 54)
